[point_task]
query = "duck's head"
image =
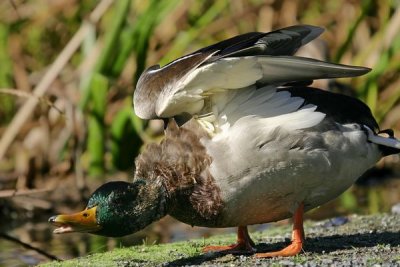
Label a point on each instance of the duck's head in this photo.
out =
(116, 209)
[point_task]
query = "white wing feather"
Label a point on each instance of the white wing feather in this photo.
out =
(264, 107)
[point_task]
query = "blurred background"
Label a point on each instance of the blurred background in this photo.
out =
(67, 74)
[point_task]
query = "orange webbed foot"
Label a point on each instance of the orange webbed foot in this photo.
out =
(292, 250)
(244, 244)
(230, 249)
(297, 238)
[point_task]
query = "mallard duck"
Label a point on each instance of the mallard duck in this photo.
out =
(247, 141)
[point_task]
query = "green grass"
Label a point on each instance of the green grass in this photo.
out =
(149, 254)
(155, 254)
(350, 241)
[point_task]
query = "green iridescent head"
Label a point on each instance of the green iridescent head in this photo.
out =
(116, 209)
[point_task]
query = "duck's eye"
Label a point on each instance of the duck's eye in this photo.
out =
(85, 215)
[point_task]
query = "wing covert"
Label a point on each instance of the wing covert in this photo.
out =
(196, 84)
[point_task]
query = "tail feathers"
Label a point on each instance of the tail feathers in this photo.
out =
(388, 145)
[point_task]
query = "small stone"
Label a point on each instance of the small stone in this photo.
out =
(337, 221)
(286, 263)
(225, 258)
(327, 261)
(242, 258)
(396, 208)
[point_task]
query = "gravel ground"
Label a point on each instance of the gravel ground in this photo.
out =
(345, 241)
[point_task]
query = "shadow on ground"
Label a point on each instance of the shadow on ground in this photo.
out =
(317, 245)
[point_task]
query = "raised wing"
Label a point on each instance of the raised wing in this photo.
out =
(191, 84)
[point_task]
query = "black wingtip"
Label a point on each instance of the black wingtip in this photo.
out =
(313, 32)
(365, 69)
(356, 70)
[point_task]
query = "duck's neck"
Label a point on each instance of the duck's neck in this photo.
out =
(154, 201)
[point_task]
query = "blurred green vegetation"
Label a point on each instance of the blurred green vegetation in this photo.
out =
(6, 76)
(104, 135)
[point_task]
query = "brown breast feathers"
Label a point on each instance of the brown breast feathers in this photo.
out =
(182, 162)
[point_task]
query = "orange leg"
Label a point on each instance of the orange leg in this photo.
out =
(244, 244)
(297, 238)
